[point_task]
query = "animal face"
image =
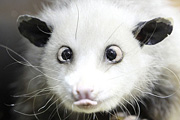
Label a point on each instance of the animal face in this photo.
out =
(95, 60)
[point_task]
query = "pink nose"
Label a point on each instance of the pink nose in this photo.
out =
(84, 95)
(82, 92)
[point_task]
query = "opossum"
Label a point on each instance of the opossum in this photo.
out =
(92, 59)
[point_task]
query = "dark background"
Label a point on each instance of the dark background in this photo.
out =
(9, 36)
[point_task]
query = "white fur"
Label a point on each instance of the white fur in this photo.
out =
(98, 20)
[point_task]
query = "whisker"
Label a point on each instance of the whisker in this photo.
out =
(68, 116)
(139, 110)
(57, 110)
(52, 114)
(94, 116)
(27, 99)
(109, 112)
(113, 33)
(77, 116)
(59, 105)
(35, 92)
(46, 68)
(156, 95)
(46, 104)
(36, 113)
(108, 68)
(44, 31)
(122, 111)
(77, 24)
(34, 108)
(32, 80)
(88, 117)
(10, 65)
(130, 105)
(152, 34)
(26, 63)
(36, 95)
(171, 71)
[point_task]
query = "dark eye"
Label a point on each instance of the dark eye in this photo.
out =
(113, 54)
(65, 54)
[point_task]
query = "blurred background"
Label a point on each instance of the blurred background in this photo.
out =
(9, 36)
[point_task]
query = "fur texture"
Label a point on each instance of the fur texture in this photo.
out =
(145, 81)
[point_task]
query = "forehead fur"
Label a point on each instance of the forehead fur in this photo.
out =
(125, 8)
(95, 20)
(97, 23)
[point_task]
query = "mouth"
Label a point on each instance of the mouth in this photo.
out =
(86, 104)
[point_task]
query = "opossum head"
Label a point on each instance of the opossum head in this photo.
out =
(95, 60)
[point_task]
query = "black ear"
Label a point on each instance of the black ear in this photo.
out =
(153, 31)
(35, 30)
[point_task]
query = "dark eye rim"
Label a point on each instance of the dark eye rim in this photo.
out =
(64, 62)
(113, 62)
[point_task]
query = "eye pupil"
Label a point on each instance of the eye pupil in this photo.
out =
(66, 54)
(111, 54)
